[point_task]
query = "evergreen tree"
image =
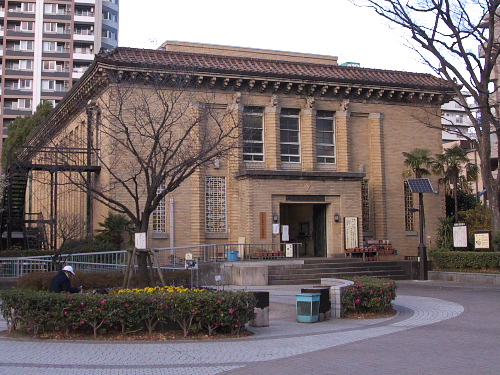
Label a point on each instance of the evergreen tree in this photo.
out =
(21, 128)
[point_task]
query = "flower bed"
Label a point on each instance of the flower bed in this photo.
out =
(368, 295)
(192, 311)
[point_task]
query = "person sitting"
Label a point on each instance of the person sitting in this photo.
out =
(62, 281)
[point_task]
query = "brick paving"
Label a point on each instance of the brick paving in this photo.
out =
(440, 328)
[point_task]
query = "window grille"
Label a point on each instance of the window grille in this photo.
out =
(215, 205)
(409, 217)
(365, 206)
(159, 215)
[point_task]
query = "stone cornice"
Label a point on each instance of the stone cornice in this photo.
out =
(299, 175)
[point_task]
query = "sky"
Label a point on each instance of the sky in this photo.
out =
(324, 27)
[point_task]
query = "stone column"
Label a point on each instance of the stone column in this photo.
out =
(377, 174)
(308, 139)
(343, 141)
(234, 164)
(272, 134)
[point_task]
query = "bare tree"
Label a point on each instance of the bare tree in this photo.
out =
(458, 39)
(150, 132)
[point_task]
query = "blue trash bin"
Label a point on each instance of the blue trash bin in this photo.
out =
(232, 255)
(308, 307)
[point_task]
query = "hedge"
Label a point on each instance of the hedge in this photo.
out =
(39, 281)
(368, 295)
(207, 311)
(465, 259)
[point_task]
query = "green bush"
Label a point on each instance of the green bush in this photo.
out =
(368, 295)
(25, 253)
(40, 281)
(87, 245)
(35, 311)
(463, 260)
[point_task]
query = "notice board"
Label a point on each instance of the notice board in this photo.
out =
(351, 232)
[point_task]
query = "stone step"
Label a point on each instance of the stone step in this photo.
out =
(313, 270)
(298, 271)
(333, 274)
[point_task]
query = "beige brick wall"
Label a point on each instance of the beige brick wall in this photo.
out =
(370, 138)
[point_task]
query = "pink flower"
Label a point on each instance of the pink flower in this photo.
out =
(371, 292)
(358, 300)
(84, 304)
(103, 302)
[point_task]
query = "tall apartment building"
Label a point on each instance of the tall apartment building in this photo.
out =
(46, 46)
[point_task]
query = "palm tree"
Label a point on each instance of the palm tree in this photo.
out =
(457, 171)
(418, 161)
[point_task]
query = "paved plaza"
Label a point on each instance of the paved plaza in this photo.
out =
(440, 328)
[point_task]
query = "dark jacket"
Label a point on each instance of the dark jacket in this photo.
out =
(61, 283)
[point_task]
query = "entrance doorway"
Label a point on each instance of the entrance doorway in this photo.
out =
(307, 225)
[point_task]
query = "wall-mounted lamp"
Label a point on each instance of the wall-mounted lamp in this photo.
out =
(336, 217)
(275, 218)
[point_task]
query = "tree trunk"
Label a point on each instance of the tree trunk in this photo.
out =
(142, 260)
(142, 269)
(455, 197)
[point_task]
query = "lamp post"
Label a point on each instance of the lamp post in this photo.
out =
(420, 186)
(422, 249)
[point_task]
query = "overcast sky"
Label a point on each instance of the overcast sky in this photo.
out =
(325, 27)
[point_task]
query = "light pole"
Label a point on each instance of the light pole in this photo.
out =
(420, 186)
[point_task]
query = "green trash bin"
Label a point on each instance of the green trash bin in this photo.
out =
(308, 307)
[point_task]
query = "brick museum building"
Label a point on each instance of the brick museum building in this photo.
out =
(317, 156)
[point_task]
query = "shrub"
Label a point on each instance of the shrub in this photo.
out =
(86, 245)
(368, 295)
(463, 260)
(39, 281)
(34, 311)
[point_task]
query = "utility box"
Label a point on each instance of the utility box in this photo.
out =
(308, 307)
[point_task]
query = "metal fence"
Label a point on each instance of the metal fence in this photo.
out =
(228, 252)
(168, 258)
(104, 262)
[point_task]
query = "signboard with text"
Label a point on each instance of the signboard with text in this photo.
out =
(351, 232)
(459, 235)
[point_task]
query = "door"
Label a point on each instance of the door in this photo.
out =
(319, 230)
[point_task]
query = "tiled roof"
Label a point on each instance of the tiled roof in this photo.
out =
(206, 63)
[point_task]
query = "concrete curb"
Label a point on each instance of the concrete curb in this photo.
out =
(466, 277)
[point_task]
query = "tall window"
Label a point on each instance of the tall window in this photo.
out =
(253, 134)
(409, 218)
(215, 205)
(365, 206)
(325, 137)
(289, 135)
(160, 214)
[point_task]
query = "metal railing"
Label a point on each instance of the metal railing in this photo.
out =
(168, 258)
(103, 262)
(228, 252)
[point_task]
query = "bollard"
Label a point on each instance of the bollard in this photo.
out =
(261, 318)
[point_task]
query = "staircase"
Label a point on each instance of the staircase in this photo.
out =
(14, 194)
(313, 270)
